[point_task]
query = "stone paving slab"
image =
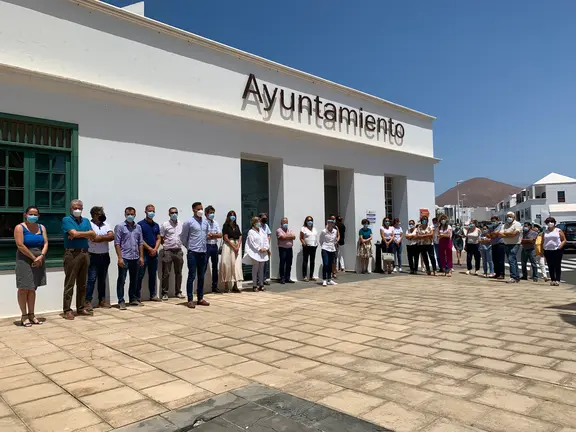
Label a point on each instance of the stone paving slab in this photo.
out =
(402, 352)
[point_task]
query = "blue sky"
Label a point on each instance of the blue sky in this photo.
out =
(500, 76)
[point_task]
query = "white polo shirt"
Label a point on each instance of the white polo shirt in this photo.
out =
(99, 248)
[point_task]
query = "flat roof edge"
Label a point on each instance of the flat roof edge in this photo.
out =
(200, 40)
(18, 71)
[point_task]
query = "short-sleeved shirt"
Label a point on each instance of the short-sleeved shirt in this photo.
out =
(494, 229)
(71, 223)
(150, 232)
(329, 239)
(100, 230)
(310, 236)
(129, 238)
(365, 233)
(214, 228)
(473, 236)
(388, 232)
(194, 234)
(510, 227)
(170, 231)
(267, 229)
(428, 230)
(284, 243)
(342, 230)
(233, 232)
(410, 241)
(398, 233)
(529, 235)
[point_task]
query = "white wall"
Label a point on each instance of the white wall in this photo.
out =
(112, 52)
(569, 192)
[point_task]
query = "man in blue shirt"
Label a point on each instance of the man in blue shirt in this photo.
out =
(498, 247)
(214, 234)
(194, 236)
(151, 237)
(77, 231)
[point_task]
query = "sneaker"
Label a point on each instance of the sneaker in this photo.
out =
(134, 303)
(399, 269)
(331, 282)
(512, 280)
(165, 297)
(88, 306)
(266, 283)
(140, 303)
(122, 306)
(191, 305)
(324, 283)
(395, 270)
(104, 304)
(155, 299)
(467, 272)
(180, 296)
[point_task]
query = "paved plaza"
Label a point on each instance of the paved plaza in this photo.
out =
(400, 352)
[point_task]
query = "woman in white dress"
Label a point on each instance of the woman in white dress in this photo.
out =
(256, 253)
(231, 259)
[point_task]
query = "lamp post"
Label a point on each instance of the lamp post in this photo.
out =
(458, 200)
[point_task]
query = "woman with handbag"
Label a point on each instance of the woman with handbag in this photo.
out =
(387, 235)
(231, 258)
(364, 250)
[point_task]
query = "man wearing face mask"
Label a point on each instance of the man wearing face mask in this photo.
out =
(128, 243)
(511, 232)
(285, 238)
(170, 238)
(529, 237)
(214, 234)
(77, 231)
(194, 235)
(498, 247)
(264, 221)
(99, 257)
(151, 237)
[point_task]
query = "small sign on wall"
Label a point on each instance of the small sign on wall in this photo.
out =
(371, 216)
(424, 213)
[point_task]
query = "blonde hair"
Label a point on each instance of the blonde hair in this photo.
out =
(254, 220)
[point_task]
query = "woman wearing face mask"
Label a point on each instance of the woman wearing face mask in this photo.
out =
(364, 251)
(472, 247)
(485, 248)
(231, 259)
(387, 236)
(445, 245)
(328, 242)
(457, 241)
(397, 244)
(412, 247)
(425, 237)
(32, 243)
(309, 240)
(257, 253)
(553, 242)
(334, 263)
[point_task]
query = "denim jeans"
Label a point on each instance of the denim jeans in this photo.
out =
(212, 256)
(397, 251)
(529, 254)
(196, 264)
(436, 259)
(512, 258)
(150, 263)
(486, 253)
(97, 270)
(131, 267)
(286, 256)
(327, 261)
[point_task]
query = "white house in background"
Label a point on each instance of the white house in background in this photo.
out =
(465, 214)
(553, 195)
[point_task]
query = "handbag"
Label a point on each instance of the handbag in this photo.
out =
(220, 247)
(386, 256)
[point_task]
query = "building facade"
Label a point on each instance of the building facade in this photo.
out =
(113, 108)
(554, 194)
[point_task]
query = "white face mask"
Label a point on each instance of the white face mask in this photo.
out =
(551, 225)
(77, 213)
(200, 213)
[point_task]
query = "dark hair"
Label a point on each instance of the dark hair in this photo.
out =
(263, 215)
(550, 219)
(228, 221)
(474, 221)
(413, 221)
(494, 218)
(149, 205)
(384, 220)
(196, 204)
(528, 223)
(129, 209)
(306, 219)
(434, 220)
(30, 208)
(339, 219)
(96, 210)
(365, 222)
(395, 221)
(210, 209)
(172, 208)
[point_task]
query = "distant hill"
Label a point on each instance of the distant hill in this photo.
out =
(480, 192)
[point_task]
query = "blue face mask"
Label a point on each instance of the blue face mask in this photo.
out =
(310, 223)
(526, 229)
(151, 215)
(232, 218)
(411, 226)
(211, 216)
(509, 219)
(285, 226)
(484, 231)
(387, 223)
(331, 221)
(471, 226)
(32, 218)
(130, 218)
(424, 221)
(365, 226)
(174, 216)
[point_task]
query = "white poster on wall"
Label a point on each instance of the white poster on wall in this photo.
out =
(371, 216)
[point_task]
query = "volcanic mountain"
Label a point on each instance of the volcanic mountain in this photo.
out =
(479, 192)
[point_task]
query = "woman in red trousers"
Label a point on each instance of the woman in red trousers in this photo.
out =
(445, 245)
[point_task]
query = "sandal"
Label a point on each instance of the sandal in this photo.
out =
(34, 320)
(27, 324)
(262, 288)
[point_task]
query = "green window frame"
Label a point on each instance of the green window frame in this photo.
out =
(39, 167)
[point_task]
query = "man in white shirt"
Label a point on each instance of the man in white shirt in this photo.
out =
(264, 221)
(511, 234)
(212, 239)
(99, 258)
(172, 246)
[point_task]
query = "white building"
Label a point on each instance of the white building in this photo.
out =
(465, 214)
(116, 109)
(555, 195)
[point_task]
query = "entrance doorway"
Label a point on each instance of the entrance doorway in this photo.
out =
(331, 193)
(255, 199)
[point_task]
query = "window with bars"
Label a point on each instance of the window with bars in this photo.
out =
(37, 167)
(388, 197)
